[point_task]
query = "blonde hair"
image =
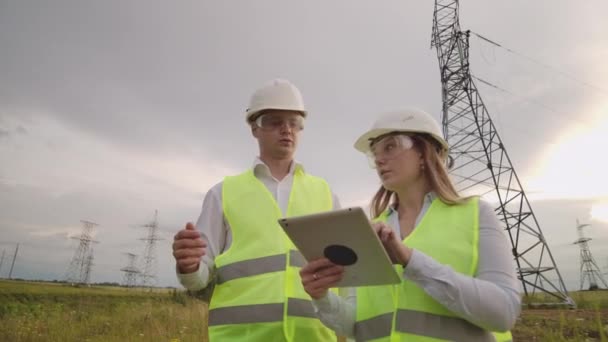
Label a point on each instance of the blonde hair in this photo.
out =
(434, 159)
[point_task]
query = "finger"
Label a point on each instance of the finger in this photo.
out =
(190, 226)
(337, 269)
(317, 277)
(377, 226)
(314, 275)
(311, 277)
(189, 243)
(188, 264)
(188, 261)
(188, 253)
(315, 266)
(187, 234)
(386, 234)
(317, 294)
(326, 282)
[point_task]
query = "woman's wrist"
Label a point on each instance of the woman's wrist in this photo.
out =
(405, 258)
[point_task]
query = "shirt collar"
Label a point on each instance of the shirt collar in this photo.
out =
(428, 199)
(260, 166)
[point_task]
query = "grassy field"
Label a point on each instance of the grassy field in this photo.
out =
(54, 312)
(588, 322)
(50, 312)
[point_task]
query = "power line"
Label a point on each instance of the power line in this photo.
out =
(536, 103)
(533, 60)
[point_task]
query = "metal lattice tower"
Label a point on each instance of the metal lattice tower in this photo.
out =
(79, 271)
(481, 164)
(149, 262)
(88, 265)
(131, 272)
(10, 272)
(2, 262)
(589, 270)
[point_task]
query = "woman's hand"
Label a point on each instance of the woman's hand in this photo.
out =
(320, 275)
(397, 251)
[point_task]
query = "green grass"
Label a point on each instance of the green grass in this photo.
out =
(56, 312)
(49, 312)
(588, 322)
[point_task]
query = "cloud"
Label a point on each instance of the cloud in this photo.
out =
(111, 110)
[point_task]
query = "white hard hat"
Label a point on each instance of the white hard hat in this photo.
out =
(409, 120)
(276, 94)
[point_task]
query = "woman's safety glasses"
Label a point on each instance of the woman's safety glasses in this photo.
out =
(388, 147)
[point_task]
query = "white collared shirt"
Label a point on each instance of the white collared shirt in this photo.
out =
(215, 229)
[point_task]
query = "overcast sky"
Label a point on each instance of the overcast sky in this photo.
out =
(112, 109)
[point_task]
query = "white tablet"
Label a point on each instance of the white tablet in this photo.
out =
(346, 238)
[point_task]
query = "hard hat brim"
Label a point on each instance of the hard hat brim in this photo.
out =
(253, 113)
(362, 144)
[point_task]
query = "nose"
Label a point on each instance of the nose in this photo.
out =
(285, 128)
(379, 161)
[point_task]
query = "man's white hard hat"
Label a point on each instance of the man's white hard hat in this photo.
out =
(276, 94)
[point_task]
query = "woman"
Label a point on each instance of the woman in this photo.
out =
(459, 280)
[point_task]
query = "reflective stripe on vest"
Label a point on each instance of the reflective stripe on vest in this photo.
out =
(421, 324)
(252, 267)
(258, 290)
(261, 313)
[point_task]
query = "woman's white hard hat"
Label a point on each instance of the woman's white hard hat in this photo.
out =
(408, 120)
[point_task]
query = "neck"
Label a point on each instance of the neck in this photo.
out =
(279, 168)
(411, 198)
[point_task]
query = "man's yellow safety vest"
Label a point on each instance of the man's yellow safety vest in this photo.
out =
(258, 294)
(404, 312)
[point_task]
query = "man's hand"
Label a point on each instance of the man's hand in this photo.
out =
(188, 249)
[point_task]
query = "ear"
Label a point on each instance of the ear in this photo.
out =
(420, 156)
(254, 131)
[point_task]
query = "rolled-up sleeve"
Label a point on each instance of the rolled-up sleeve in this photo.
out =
(213, 228)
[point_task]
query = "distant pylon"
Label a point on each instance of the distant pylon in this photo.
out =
(589, 270)
(79, 271)
(10, 273)
(149, 263)
(88, 266)
(131, 272)
(1, 262)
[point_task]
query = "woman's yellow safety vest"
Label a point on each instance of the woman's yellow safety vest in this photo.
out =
(258, 294)
(404, 312)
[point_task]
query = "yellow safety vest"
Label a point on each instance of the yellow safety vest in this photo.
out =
(404, 312)
(258, 294)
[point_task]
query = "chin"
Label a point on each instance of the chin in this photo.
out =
(388, 185)
(284, 153)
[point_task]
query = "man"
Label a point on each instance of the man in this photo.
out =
(258, 294)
